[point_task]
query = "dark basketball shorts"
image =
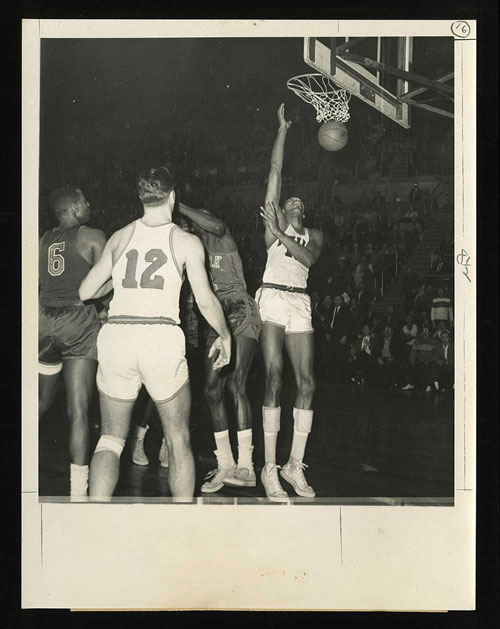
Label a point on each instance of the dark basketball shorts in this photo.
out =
(242, 316)
(66, 332)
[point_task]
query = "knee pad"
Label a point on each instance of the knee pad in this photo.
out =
(302, 420)
(271, 418)
(108, 443)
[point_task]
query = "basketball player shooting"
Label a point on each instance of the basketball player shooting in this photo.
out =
(285, 310)
(142, 342)
(242, 316)
(68, 329)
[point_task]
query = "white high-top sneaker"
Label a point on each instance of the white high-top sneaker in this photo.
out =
(138, 455)
(272, 485)
(293, 473)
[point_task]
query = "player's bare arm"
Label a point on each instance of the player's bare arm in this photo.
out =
(273, 191)
(307, 255)
(208, 304)
(91, 243)
(98, 281)
(204, 219)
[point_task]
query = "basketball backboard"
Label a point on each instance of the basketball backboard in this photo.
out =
(381, 72)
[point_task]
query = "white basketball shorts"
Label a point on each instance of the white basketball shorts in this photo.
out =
(130, 355)
(291, 311)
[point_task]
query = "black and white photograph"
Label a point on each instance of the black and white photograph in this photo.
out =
(247, 272)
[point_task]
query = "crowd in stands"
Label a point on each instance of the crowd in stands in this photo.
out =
(410, 347)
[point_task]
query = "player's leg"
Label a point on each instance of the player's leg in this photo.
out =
(244, 348)
(214, 392)
(271, 340)
(119, 383)
(79, 378)
(49, 363)
(47, 387)
(105, 465)
(174, 415)
(272, 337)
(214, 395)
(139, 456)
(300, 348)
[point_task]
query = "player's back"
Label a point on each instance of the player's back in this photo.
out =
(61, 266)
(147, 278)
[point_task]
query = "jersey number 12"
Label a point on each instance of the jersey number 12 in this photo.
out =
(157, 258)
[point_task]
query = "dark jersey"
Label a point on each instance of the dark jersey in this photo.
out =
(61, 266)
(226, 270)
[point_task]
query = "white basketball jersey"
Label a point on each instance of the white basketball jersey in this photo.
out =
(282, 267)
(146, 278)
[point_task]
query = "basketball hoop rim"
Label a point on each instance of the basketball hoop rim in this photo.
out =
(317, 75)
(320, 91)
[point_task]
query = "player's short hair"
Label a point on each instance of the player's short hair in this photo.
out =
(154, 185)
(63, 198)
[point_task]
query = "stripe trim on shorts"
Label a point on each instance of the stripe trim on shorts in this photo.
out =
(46, 369)
(278, 325)
(310, 331)
(172, 396)
(117, 399)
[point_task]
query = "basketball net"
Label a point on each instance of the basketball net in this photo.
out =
(320, 92)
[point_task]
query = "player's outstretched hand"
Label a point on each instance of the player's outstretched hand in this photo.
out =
(286, 124)
(270, 216)
(223, 349)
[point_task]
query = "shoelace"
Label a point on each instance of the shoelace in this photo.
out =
(300, 474)
(275, 485)
(213, 473)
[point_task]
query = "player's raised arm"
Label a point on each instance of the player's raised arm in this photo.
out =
(204, 219)
(273, 191)
(307, 255)
(207, 302)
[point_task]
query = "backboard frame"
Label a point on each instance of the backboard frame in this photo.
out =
(358, 80)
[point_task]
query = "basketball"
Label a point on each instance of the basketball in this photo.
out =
(333, 135)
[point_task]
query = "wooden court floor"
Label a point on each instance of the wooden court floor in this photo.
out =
(367, 444)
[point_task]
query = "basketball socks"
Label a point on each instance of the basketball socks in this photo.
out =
(245, 448)
(271, 421)
(79, 479)
(302, 423)
(138, 455)
(224, 453)
(141, 432)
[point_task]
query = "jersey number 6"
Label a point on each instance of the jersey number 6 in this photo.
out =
(157, 258)
(55, 259)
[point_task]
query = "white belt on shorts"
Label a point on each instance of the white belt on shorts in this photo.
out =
(288, 289)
